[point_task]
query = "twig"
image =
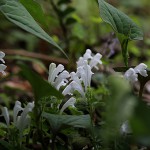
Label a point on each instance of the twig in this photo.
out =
(35, 55)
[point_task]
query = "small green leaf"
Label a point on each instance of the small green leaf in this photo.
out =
(67, 11)
(70, 21)
(40, 86)
(17, 13)
(58, 121)
(61, 2)
(124, 27)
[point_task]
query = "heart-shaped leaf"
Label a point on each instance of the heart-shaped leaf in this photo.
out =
(124, 27)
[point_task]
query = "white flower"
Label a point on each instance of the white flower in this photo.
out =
(73, 86)
(20, 122)
(96, 60)
(80, 80)
(86, 74)
(23, 120)
(70, 102)
(125, 128)
(88, 54)
(5, 114)
(141, 69)
(2, 68)
(2, 55)
(92, 60)
(131, 75)
(16, 110)
(57, 75)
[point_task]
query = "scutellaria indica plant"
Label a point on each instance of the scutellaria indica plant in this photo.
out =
(67, 112)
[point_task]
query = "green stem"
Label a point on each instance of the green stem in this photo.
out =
(53, 141)
(141, 90)
(62, 24)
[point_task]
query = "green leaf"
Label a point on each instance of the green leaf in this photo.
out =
(140, 123)
(40, 86)
(70, 21)
(5, 145)
(119, 21)
(61, 2)
(35, 9)
(58, 121)
(120, 105)
(17, 13)
(67, 11)
(124, 27)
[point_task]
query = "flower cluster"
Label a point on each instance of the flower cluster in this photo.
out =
(2, 66)
(75, 81)
(57, 75)
(19, 121)
(132, 73)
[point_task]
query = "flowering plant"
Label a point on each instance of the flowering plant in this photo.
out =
(80, 109)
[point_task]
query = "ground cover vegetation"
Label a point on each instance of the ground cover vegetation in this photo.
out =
(74, 75)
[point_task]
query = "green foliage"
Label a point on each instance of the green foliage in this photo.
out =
(59, 121)
(40, 86)
(95, 121)
(17, 13)
(120, 106)
(140, 123)
(35, 10)
(124, 27)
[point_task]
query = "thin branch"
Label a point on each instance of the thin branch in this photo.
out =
(35, 55)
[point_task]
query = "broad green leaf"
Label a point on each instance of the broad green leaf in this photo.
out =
(140, 123)
(35, 9)
(5, 145)
(119, 21)
(124, 27)
(120, 105)
(17, 13)
(58, 121)
(40, 86)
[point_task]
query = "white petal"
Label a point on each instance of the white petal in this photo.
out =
(77, 87)
(85, 74)
(131, 75)
(75, 76)
(141, 69)
(54, 71)
(96, 60)
(61, 79)
(2, 55)
(87, 55)
(52, 66)
(16, 110)
(80, 62)
(2, 68)
(125, 129)
(5, 114)
(21, 125)
(68, 90)
(70, 102)
(22, 118)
